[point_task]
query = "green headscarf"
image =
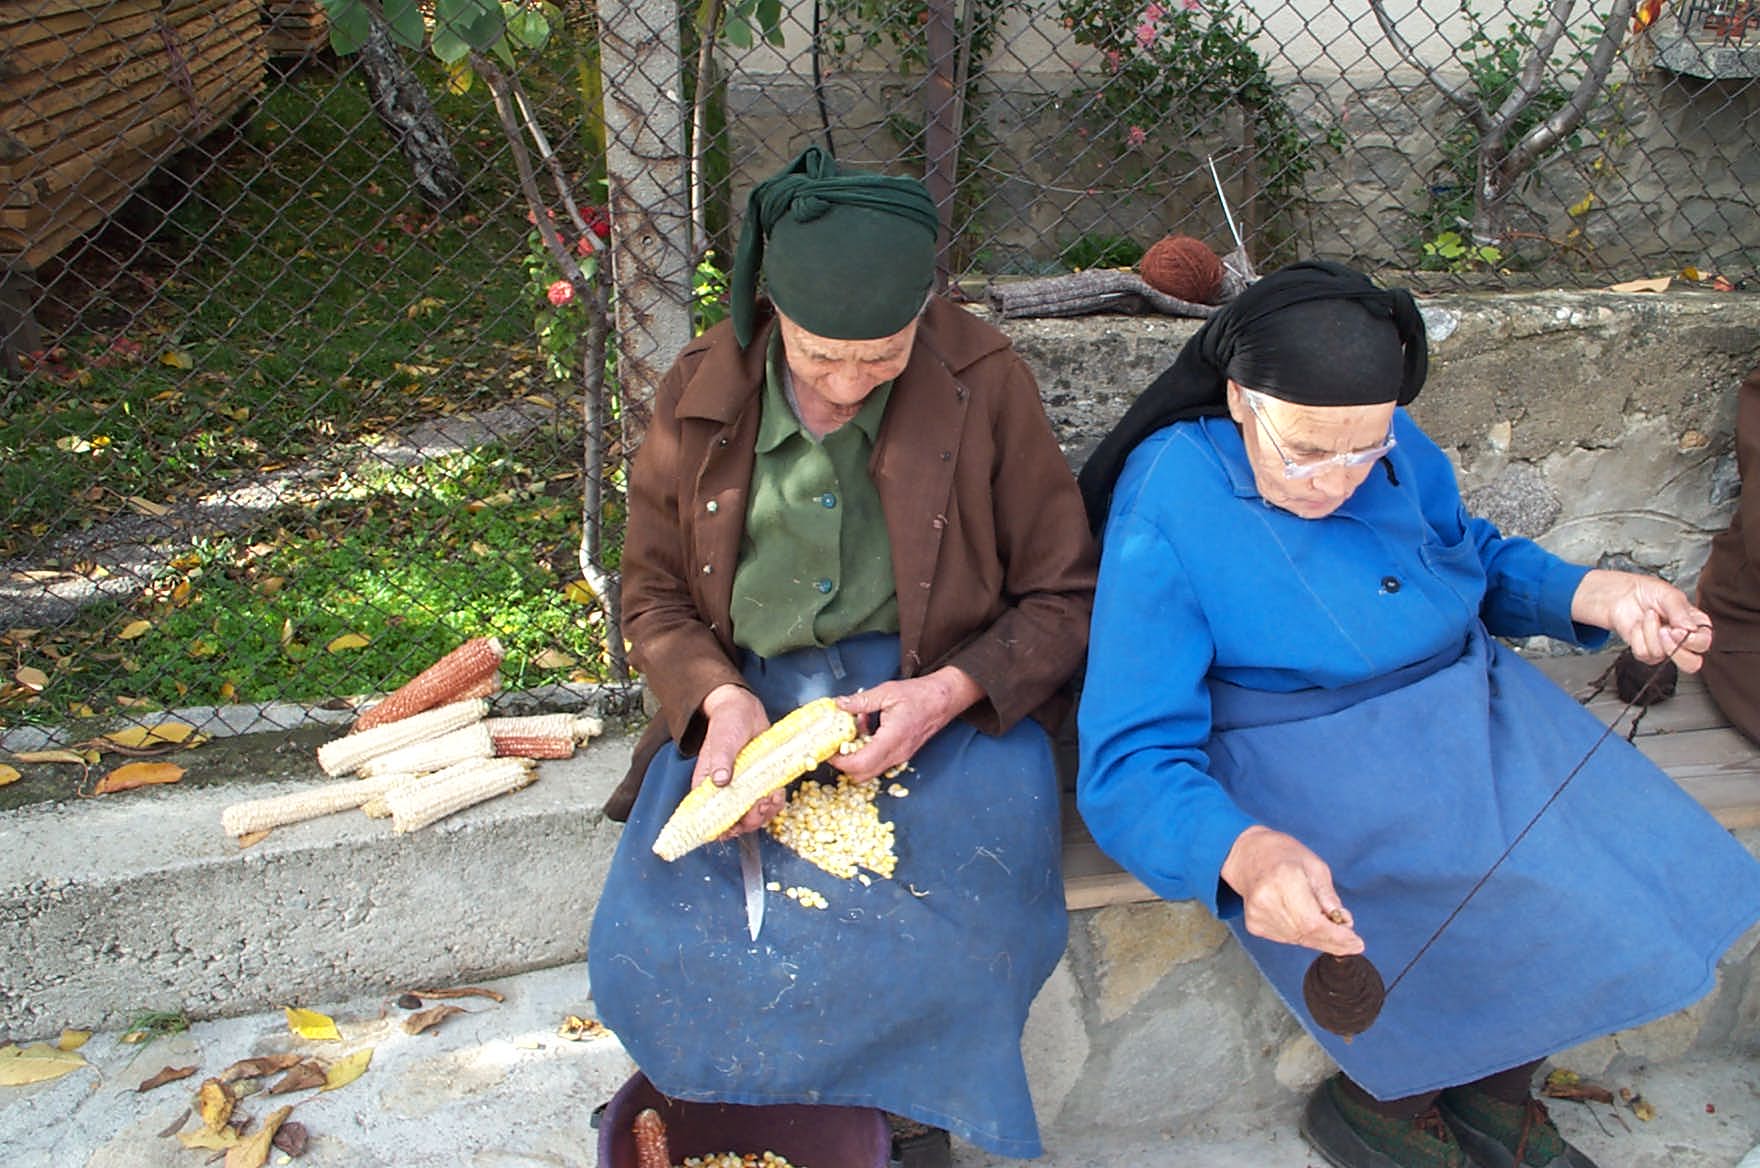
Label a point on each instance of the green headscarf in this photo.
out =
(847, 255)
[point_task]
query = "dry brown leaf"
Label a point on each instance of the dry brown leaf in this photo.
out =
(208, 1140)
(300, 1077)
(256, 1068)
(1565, 1084)
(35, 1064)
(75, 757)
(253, 1152)
(8, 774)
(176, 1125)
(1659, 284)
(432, 1016)
(346, 1070)
(147, 506)
(291, 1138)
(138, 774)
(31, 678)
(166, 1075)
(576, 1029)
(461, 992)
(214, 1103)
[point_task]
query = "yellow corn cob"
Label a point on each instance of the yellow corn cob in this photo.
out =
(342, 755)
(417, 805)
(542, 735)
(460, 674)
(435, 754)
(278, 810)
(787, 750)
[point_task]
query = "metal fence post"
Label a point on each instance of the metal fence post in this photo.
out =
(645, 163)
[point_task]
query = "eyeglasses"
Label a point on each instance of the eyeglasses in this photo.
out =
(1308, 467)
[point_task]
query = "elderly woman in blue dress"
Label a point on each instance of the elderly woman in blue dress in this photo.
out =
(1295, 713)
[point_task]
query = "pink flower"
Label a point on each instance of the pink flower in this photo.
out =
(1191, 5)
(1136, 136)
(1114, 60)
(584, 246)
(1152, 13)
(560, 293)
(1145, 35)
(601, 228)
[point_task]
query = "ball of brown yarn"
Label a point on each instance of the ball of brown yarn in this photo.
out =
(1343, 994)
(1641, 684)
(1184, 268)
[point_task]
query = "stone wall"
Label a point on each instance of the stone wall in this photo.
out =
(1598, 423)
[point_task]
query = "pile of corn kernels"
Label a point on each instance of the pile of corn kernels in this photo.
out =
(737, 1160)
(838, 828)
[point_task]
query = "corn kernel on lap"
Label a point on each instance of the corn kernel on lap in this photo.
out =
(906, 990)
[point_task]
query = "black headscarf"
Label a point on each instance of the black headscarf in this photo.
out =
(1315, 333)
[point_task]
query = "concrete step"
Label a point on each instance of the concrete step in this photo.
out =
(500, 1089)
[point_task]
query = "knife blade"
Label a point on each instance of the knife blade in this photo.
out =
(751, 869)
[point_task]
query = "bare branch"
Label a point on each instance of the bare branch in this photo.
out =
(708, 29)
(1555, 129)
(1534, 69)
(1457, 96)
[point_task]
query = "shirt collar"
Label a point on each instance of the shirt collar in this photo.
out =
(778, 421)
(1224, 436)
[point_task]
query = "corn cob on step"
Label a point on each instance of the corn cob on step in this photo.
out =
(434, 754)
(470, 783)
(279, 810)
(342, 755)
(790, 748)
(469, 671)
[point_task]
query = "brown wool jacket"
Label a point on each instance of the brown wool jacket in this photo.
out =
(1729, 587)
(991, 554)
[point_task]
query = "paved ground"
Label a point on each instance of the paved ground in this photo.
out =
(500, 1088)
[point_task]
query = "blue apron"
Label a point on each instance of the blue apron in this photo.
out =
(909, 994)
(1611, 912)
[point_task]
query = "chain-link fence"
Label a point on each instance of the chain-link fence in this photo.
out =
(297, 396)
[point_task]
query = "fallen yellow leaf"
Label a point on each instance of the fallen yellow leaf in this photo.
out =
(214, 1103)
(35, 1064)
(158, 734)
(346, 1070)
(8, 774)
(578, 592)
(133, 629)
(347, 641)
(147, 506)
(253, 1151)
(31, 678)
(177, 359)
(553, 659)
(311, 1024)
(138, 774)
(1659, 284)
(210, 1141)
(75, 757)
(72, 1039)
(1581, 207)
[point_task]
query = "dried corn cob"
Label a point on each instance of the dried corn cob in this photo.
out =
(542, 735)
(418, 805)
(787, 750)
(279, 810)
(456, 676)
(377, 808)
(651, 1146)
(342, 755)
(434, 754)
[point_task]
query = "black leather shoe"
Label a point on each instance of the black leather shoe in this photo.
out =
(916, 1145)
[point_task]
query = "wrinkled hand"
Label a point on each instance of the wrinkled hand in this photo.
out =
(1651, 615)
(735, 717)
(902, 716)
(1287, 892)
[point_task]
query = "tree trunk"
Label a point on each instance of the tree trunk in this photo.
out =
(402, 103)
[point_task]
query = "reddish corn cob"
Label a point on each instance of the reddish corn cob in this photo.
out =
(460, 674)
(650, 1133)
(543, 735)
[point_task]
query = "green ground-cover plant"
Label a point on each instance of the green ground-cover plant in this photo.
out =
(350, 596)
(303, 296)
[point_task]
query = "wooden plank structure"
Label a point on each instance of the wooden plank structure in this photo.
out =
(295, 28)
(94, 94)
(1686, 735)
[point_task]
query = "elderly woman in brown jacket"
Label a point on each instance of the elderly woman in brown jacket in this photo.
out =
(850, 490)
(1729, 587)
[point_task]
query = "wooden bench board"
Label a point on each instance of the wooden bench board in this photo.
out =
(1687, 736)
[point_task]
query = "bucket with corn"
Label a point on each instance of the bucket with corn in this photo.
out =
(805, 1136)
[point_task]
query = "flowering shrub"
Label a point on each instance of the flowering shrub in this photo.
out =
(1179, 65)
(561, 318)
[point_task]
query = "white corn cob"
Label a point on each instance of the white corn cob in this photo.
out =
(436, 754)
(278, 810)
(787, 750)
(342, 755)
(469, 671)
(542, 735)
(376, 807)
(421, 804)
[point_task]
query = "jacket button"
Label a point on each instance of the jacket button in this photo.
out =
(1390, 583)
(827, 500)
(712, 506)
(707, 569)
(822, 584)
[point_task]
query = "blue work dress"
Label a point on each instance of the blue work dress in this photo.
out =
(1336, 679)
(907, 994)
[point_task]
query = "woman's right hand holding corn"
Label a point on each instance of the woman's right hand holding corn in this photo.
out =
(735, 716)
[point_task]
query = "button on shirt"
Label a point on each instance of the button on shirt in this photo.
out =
(815, 563)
